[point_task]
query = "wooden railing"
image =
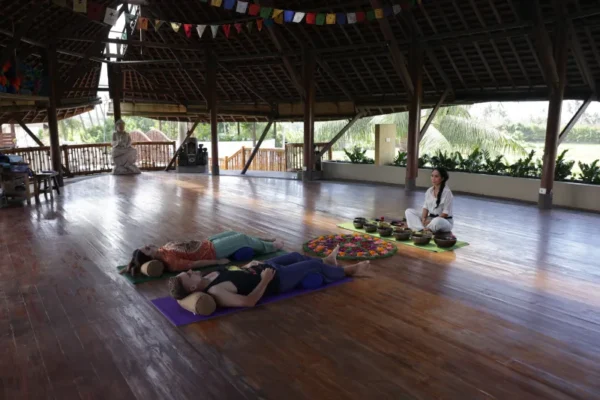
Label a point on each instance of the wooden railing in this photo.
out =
(265, 160)
(295, 155)
(86, 159)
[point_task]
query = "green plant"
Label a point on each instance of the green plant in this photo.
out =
(590, 173)
(424, 160)
(493, 166)
(563, 167)
(357, 156)
(401, 159)
(444, 160)
(524, 167)
(472, 163)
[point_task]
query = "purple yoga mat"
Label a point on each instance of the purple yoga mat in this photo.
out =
(179, 316)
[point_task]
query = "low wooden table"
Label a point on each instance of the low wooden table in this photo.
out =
(46, 178)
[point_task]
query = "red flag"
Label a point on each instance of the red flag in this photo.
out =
(259, 24)
(238, 28)
(311, 18)
(227, 29)
(360, 16)
(254, 9)
(188, 30)
(95, 11)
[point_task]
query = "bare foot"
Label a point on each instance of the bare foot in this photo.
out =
(278, 244)
(331, 259)
(267, 239)
(356, 269)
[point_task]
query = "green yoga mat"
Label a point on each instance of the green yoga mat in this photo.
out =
(143, 278)
(429, 247)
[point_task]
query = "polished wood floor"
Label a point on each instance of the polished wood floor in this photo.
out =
(516, 315)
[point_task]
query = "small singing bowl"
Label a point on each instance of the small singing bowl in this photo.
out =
(359, 224)
(370, 228)
(385, 232)
(402, 235)
(360, 219)
(445, 242)
(421, 240)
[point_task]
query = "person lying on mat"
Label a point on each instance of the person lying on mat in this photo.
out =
(244, 288)
(436, 214)
(182, 256)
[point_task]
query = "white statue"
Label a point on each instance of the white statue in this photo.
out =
(123, 154)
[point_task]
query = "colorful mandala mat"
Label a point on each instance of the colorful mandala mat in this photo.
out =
(352, 247)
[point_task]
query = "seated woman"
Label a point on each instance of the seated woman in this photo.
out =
(436, 214)
(175, 257)
(244, 288)
(123, 154)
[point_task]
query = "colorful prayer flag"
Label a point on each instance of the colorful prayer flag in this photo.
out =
(360, 16)
(200, 29)
(298, 17)
(330, 19)
(214, 29)
(259, 24)
(249, 25)
(277, 12)
(288, 16)
(254, 9)
(142, 23)
(188, 30)
(157, 24)
(311, 18)
(176, 26)
(379, 13)
(320, 19)
(279, 18)
(351, 18)
(341, 18)
(265, 12)
(269, 22)
(238, 27)
(242, 6)
(80, 6)
(397, 9)
(95, 11)
(216, 3)
(229, 4)
(227, 29)
(111, 16)
(371, 15)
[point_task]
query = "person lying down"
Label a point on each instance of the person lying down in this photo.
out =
(182, 256)
(245, 287)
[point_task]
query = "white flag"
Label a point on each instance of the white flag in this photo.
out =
(80, 6)
(111, 16)
(200, 29)
(214, 29)
(397, 9)
(298, 17)
(242, 6)
(175, 26)
(351, 18)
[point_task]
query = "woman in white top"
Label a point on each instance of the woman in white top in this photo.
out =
(437, 208)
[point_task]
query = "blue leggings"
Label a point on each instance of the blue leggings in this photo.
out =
(292, 268)
(229, 242)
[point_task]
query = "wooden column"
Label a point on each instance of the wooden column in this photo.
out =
(561, 54)
(414, 116)
(115, 82)
(52, 70)
(211, 88)
(309, 112)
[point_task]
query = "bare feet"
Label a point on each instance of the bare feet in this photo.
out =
(357, 269)
(267, 239)
(278, 243)
(331, 259)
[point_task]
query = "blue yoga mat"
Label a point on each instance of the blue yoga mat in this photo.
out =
(179, 316)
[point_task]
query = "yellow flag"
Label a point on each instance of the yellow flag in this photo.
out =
(216, 3)
(278, 19)
(330, 19)
(277, 12)
(379, 13)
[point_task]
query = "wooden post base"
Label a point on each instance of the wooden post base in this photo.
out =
(545, 201)
(216, 170)
(410, 184)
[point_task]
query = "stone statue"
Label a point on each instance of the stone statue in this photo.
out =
(123, 154)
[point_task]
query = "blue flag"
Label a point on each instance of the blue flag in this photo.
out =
(341, 18)
(288, 16)
(229, 4)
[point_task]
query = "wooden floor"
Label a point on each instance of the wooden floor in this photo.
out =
(516, 315)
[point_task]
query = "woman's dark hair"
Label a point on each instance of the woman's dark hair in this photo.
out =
(444, 174)
(138, 259)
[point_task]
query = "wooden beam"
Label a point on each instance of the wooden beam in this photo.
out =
(575, 119)
(211, 95)
(257, 147)
(115, 82)
(278, 41)
(24, 26)
(31, 134)
(584, 66)
(187, 136)
(341, 133)
(554, 114)
(52, 73)
(309, 112)
(246, 85)
(398, 57)
(431, 117)
(544, 46)
(414, 118)
(325, 66)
